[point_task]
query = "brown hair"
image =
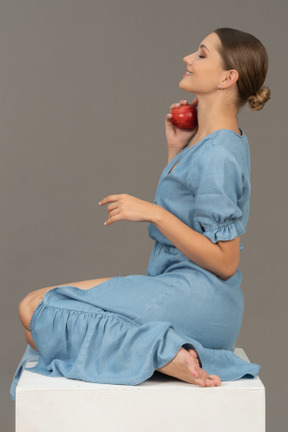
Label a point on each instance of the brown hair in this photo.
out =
(245, 53)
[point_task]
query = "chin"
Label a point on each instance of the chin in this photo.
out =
(184, 86)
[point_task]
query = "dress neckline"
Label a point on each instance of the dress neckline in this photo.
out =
(177, 158)
(213, 133)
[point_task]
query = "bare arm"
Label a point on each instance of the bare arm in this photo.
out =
(221, 258)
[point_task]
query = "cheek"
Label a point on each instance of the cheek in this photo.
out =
(206, 69)
(209, 74)
(202, 71)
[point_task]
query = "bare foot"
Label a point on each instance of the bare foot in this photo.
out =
(185, 367)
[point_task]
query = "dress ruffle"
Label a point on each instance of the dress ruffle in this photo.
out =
(224, 231)
(100, 346)
(226, 364)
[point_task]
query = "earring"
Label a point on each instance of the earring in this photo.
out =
(219, 87)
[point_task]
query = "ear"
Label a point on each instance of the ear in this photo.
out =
(230, 78)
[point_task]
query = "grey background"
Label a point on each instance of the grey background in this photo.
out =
(85, 86)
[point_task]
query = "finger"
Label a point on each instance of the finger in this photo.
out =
(175, 105)
(108, 199)
(113, 213)
(195, 102)
(182, 102)
(168, 123)
(111, 220)
(112, 206)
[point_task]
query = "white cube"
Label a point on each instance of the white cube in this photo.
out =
(45, 404)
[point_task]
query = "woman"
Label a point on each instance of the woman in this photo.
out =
(183, 317)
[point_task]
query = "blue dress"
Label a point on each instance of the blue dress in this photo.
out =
(121, 331)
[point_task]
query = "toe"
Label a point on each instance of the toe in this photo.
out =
(193, 353)
(216, 379)
(213, 381)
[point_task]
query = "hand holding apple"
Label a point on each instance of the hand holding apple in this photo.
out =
(184, 116)
(177, 137)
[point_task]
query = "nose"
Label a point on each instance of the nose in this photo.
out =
(188, 59)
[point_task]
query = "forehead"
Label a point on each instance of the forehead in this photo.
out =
(212, 42)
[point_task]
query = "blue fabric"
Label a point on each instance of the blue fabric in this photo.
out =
(122, 330)
(29, 356)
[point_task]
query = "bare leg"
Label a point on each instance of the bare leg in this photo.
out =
(28, 305)
(185, 367)
(29, 339)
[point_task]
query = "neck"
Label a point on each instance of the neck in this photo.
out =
(214, 115)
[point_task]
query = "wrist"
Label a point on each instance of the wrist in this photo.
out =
(172, 153)
(157, 215)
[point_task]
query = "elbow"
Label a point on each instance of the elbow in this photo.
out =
(229, 271)
(226, 276)
(230, 256)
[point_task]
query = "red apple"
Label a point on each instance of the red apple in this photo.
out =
(184, 117)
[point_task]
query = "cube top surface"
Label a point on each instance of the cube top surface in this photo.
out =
(161, 403)
(34, 381)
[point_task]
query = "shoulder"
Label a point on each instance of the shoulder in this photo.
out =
(225, 146)
(222, 157)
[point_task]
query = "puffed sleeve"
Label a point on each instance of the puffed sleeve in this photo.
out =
(221, 188)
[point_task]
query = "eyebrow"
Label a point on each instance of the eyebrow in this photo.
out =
(204, 46)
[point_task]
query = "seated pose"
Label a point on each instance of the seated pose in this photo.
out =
(183, 317)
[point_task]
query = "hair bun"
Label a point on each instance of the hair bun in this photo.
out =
(257, 102)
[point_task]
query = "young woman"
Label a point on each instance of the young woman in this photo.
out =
(183, 317)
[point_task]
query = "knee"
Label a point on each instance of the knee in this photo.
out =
(22, 312)
(25, 310)
(29, 304)
(29, 339)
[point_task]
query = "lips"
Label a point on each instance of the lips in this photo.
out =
(187, 73)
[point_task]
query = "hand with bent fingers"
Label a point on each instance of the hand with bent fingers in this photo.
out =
(127, 207)
(178, 138)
